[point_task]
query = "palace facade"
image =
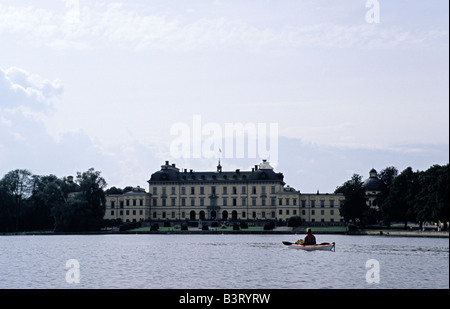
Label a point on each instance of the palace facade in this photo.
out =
(259, 194)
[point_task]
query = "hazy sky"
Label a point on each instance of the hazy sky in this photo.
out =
(101, 83)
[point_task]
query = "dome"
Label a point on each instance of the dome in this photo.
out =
(373, 183)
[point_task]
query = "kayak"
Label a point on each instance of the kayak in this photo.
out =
(323, 246)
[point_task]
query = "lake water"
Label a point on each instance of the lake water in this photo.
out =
(221, 261)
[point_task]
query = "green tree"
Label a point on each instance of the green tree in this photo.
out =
(399, 204)
(6, 208)
(16, 186)
(84, 208)
(47, 193)
(354, 206)
(387, 176)
(432, 196)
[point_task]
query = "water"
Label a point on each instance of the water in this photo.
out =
(221, 261)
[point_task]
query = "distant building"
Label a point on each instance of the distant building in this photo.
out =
(131, 206)
(259, 194)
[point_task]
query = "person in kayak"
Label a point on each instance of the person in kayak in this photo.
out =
(310, 239)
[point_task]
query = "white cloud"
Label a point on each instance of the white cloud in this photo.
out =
(20, 88)
(117, 24)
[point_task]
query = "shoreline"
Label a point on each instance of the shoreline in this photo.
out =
(383, 233)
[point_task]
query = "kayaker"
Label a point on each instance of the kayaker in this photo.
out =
(310, 239)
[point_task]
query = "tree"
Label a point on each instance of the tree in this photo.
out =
(432, 196)
(6, 208)
(294, 221)
(85, 208)
(398, 205)
(16, 187)
(354, 206)
(47, 193)
(442, 211)
(387, 176)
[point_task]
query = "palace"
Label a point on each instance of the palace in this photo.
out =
(259, 194)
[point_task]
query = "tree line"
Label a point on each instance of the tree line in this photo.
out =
(411, 196)
(33, 202)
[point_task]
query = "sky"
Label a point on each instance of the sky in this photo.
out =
(350, 86)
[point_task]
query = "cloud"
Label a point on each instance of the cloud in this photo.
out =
(100, 24)
(20, 88)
